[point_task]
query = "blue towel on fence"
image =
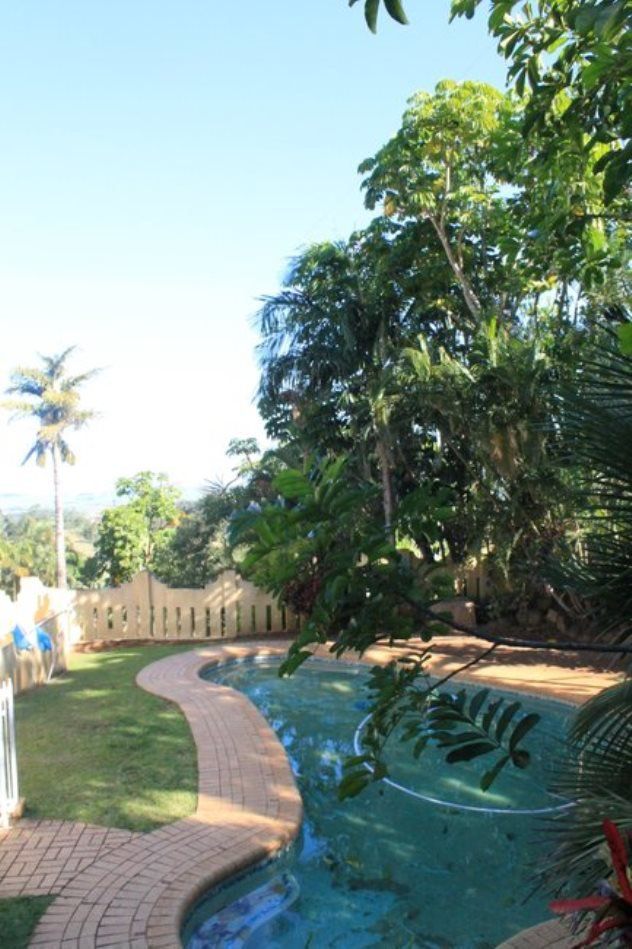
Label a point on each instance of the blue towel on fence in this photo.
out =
(20, 639)
(44, 642)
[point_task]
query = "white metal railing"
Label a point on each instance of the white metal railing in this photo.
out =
(9, 793)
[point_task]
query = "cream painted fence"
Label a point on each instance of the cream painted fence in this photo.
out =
(227, 608)
(36, 604)
(144, 608)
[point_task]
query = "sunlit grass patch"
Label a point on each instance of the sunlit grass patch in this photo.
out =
(94, 747)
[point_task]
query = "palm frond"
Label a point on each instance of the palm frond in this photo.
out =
(596, 773)
(598, 426)
(54, 403)
(599, 721)
(55, 364)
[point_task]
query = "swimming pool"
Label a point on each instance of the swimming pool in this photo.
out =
(387, 868)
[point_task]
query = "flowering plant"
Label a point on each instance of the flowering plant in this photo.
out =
(613, 907)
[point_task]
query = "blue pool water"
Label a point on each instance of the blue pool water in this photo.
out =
(386, 868)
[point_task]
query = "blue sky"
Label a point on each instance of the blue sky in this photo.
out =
(161, 162)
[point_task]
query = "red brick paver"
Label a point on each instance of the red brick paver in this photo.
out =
(550, 935)
(136, 892)
(38, 857)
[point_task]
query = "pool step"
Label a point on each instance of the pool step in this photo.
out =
(234, 925)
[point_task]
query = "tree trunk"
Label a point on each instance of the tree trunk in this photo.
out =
(60, 541)
(387, 485)
(471, 300)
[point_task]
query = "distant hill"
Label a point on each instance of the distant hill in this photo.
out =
(87, 504)
(90, 505)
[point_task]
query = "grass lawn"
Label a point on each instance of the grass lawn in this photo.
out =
(18, 919)
(94, 747)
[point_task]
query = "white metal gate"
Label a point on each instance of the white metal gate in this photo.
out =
(8, 757)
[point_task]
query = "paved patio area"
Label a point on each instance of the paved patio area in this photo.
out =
(119, 889)
(38, 857)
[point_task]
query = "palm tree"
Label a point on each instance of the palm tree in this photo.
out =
(51, 396)
(596, 772)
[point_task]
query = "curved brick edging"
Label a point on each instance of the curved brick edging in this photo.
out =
(550, 935)
(248, 808)
(248, 805)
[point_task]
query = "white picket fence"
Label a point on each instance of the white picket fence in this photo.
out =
(9, 793)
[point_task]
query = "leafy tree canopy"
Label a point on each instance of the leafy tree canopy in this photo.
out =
(131, 535)
(572, 61)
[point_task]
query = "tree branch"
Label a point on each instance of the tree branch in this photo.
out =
(471, 300)
(567, 646)
(468, 665)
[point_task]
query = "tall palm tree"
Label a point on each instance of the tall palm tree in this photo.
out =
(51, 396)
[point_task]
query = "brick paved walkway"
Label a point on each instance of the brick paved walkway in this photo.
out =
(38, 857)
(551, 935)
(132, 890)
(248, 807)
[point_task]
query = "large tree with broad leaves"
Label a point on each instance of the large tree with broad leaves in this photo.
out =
(572, 59)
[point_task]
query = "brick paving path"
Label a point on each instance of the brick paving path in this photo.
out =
(248, 807)
(132, 890)
(38, 857)
(551, 935)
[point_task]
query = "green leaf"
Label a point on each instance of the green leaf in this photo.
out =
(419, 746)
(505, 719)
(293, 661)
(477, 702)
(595, 238)
(460, 700)
(292, 485)
(352, 784)
(520, 758)
(265, 532)
(490, 776)
(396, 11)
(370, 14)
(624, 332)
(471, 750)
(335, 588)
(488, 717)
(461, 738)
(354, 760)
(522, 728)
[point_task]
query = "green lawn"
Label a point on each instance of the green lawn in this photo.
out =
(18, 918)
(94, 747)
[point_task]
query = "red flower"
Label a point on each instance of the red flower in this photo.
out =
(614, 910)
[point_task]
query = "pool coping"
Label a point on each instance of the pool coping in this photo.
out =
(248, 805)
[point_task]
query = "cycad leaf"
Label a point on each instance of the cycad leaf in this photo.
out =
(523, 727)
(477, 702)
(490, 776)
(505, 719)
(471, 750)
(490, 712)
(396, 10)
(371, 8)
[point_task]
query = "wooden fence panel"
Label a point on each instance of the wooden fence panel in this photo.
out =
(144, 608)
